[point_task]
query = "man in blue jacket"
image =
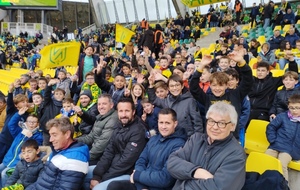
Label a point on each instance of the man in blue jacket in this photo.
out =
(151, 169)
(68, 163)
(254, 12)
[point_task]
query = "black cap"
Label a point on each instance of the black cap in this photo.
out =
(87, 93)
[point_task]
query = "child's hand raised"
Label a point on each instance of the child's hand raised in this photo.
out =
(53, 82)
(22, 110)
(11, 87)
(206, 60)
(126, 91)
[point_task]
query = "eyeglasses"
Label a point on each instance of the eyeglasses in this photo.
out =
(90, 78)
(294, 108)
(31, 122)
(175, 86)
(221, 125)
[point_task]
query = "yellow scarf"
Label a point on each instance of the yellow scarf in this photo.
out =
(95, 90)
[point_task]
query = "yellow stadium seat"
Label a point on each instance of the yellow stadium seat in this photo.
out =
(286, 67)
(298, 22)
(252, 62)
(205, 33)
(277, 72)
(286, 27)
(277, 27)
(255, 136)
(260, 162)
(245, 35)
(213, 29)
(256, 140)
(246, 27)
(261, 39)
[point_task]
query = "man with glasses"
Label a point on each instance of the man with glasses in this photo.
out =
(20, 132)
(211, 160)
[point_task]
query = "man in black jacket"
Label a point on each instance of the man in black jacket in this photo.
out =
(125, 146)
(269, 9)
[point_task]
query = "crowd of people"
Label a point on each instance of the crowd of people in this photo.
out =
(155, 116)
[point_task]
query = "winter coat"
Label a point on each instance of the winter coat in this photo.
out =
(280, 103)
(268, 11)
(51, 108)
(88, 119)
(148, 39)
(151, 168)
(275, 42)
(152, 118)
(65, 169)
(101, 133)
(6, 138)
(65, 85)
(292, 39)
(188, 114)
(124, 148)
(269, 56)
(224, 159)
(10, 159)
(284, 135)
(108, 87)
(26, 173)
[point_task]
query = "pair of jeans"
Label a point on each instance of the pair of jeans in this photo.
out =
(4, 177)
(266, 23)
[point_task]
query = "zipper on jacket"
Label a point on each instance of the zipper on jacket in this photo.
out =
(16, 152)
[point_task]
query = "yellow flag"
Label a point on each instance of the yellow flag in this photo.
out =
(61, 54)
(197, 3)
(123, 34)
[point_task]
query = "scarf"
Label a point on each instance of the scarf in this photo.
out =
(88, 107)
(95, 90)
(292, 118)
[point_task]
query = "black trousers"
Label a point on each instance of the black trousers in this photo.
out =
(121, 185)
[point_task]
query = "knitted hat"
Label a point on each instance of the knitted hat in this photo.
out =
(87, 93)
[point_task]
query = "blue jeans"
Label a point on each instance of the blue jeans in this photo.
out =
(103, 185)
(88, 178)
(267, 23)
(282, 62)
(4, 177)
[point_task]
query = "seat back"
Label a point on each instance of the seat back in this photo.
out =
(255, 137)
(277, 72)
(260, 162)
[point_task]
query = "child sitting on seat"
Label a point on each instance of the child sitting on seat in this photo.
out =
(28, 168)
(283, 133)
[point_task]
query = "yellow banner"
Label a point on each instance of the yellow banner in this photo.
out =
(60, 54)
(123, 34)
(197, 3)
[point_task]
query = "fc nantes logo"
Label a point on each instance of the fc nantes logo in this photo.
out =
(58, 55)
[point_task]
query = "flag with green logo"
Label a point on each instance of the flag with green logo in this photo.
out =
(60, 54)
(123, 34)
